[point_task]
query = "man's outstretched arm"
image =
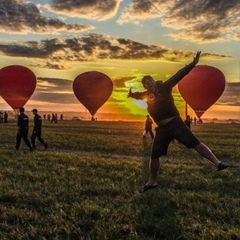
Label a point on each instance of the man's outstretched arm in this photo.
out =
(136, 95)
(176, 78)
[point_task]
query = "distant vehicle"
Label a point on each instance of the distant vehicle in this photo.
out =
(76, 119)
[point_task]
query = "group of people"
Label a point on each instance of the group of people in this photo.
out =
(23, 128)
(54, 117)
(170, 126)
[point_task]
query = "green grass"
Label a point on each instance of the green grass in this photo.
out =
(86, 185)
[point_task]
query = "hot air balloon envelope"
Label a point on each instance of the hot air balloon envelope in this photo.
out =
(92, 89)
(17, 84)
(202, 87)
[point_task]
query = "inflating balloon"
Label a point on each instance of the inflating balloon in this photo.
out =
(202, 87)
(17, 84)
(92, 89)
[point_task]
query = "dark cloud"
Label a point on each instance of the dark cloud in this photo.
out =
(120, 82)
(209, 20)
(89, 9)
(56, 84)
(33, 49)
(199, 20)
(54, 90)
(21, 17)
(90, 48)
(49, 65)
(231, 95)
(53, 97)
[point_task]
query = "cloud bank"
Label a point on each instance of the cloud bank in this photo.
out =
(89, 9)
(59, 52)
(21, 17)
(201, 21)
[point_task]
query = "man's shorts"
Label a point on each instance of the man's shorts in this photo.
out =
(175, 129)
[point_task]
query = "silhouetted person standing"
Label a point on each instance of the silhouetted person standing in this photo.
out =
(195, 121)
(37, 130)
(148, 127)
(188, 121)
(23, 126)
(5, 117)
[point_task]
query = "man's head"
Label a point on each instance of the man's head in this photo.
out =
(21, 110)
(149, 83)
(34, 111)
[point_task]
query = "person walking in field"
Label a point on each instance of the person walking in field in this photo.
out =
(188, 121)
(195, 121)
(148, 127)
(37, 130)
(23, 127)
(5, 117)
(162, 109)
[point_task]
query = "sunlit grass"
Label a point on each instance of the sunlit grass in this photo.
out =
(86, 185)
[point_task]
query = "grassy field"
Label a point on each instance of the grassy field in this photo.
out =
(86, 185)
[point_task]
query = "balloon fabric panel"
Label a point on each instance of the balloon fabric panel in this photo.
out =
(92, 89)
(17, 84)
(202, 87)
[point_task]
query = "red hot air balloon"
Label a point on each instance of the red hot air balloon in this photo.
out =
(17, 84)
(92, 89)
(202, 87)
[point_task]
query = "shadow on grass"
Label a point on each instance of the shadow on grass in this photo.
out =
(158, 217)
(158, 210)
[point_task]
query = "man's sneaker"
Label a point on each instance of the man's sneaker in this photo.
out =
(221, 166)
(45, 146)
(31, 149)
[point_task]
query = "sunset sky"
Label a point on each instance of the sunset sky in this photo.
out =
(125, 39)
